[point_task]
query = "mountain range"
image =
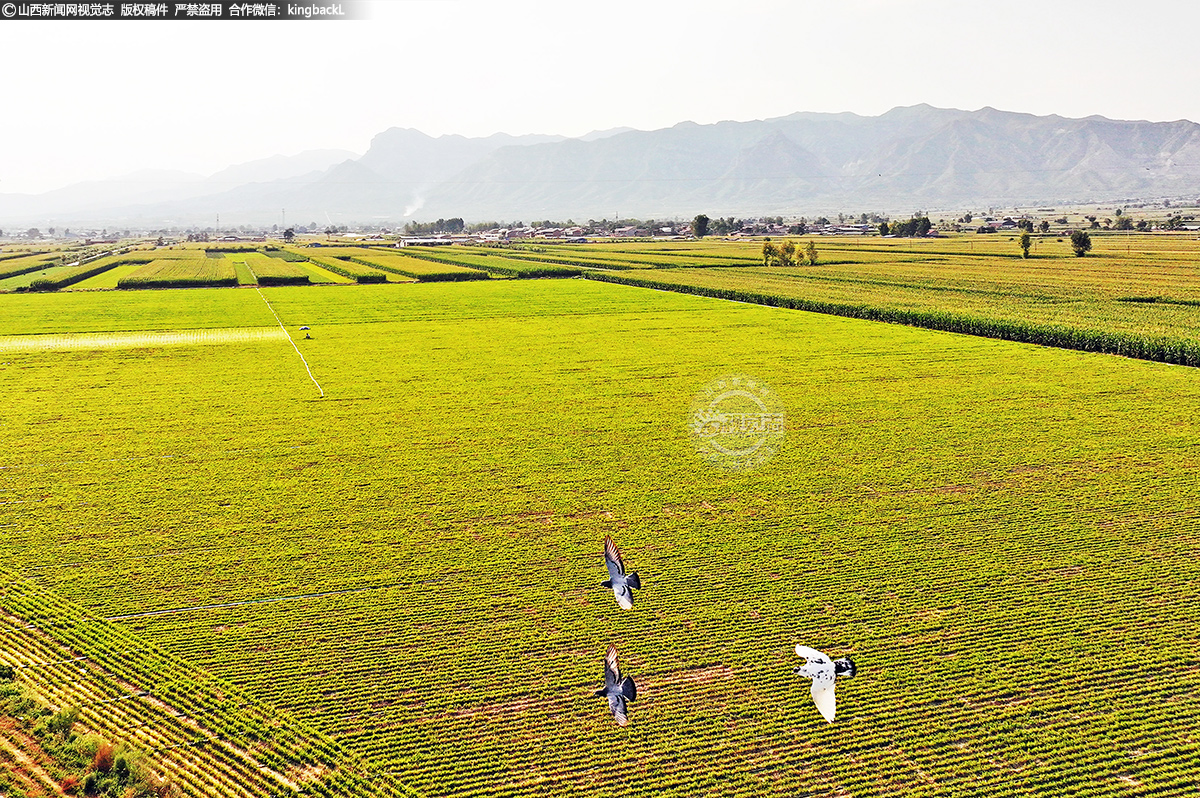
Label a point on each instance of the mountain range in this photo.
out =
(804, 163)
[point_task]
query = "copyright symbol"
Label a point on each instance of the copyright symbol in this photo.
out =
(10, 10)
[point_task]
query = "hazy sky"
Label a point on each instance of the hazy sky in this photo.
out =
(87, 100)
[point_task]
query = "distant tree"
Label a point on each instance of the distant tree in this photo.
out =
(787, 253)
(1044, 226)
(1081, 243)
(725, 226)
(1124, 223)
(289, 235)
(770, 253)
(1025, 224)
(33, 232)
(700, 226)
(810, 254)
(883, 228)
(985, 228)
(914, 227)
(799, 228)
(1026, 242)
(1173, 223)
(1142, 224)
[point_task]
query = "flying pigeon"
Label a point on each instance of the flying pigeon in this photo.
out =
(622, 584)
(824, 672)
(616, 689)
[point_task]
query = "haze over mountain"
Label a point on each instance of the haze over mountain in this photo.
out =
(804, 163)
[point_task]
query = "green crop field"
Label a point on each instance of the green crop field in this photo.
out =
(263, 270)
(1136, 296)
(183, 269)
(337, 261)
(397, 585)
(496, 261)
(423, 270)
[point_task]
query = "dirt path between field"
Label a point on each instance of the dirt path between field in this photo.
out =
(33, 778)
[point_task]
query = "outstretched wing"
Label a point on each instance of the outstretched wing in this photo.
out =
(822, 693)
(821, 670)
(616, 705)
(813, 656)
(818, 668)
(612, 559)
(612, 673)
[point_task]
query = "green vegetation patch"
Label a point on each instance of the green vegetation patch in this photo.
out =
(497, 263)
(272, 271)
(348, 268)
(284, 254)
(422, 270)
(79, 312)
(1063, 301)
(195, 272)
(200, 736)
(411, 565)
(12, 266)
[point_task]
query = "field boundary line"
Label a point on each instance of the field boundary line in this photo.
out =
(293, 343)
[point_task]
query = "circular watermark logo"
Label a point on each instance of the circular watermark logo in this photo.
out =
(737, 423)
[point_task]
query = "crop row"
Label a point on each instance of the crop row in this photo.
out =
(129, 687)
(12, 266)
(1167, 349)
(284, 254)
(182, 273)
(347, 268)
(495, 264)
(272, 271)
(74, 274)
(421, 270)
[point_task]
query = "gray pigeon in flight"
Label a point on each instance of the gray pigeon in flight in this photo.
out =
(616, 689)
(622, 584)
(824, 672)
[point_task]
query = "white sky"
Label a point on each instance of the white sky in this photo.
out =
(88, 100)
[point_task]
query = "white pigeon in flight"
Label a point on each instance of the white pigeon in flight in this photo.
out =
(824, 672)
(622, 584)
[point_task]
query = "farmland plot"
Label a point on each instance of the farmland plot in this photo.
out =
(190, 272)
(1141, 304)
(422, 270)
(356, 272)
(497, 262)
(271, 271)
(410, 566)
